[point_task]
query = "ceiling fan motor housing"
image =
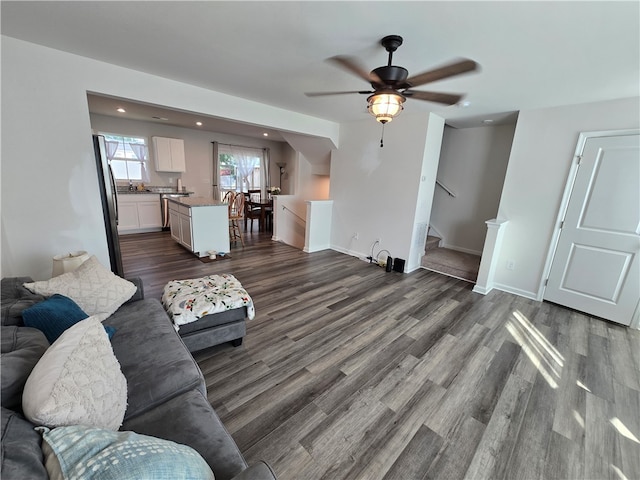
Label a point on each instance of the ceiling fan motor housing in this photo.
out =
(391, 76)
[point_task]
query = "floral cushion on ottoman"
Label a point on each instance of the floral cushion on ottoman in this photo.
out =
(189, 300)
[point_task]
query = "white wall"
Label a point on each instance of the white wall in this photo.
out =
(541, 155)
(375, 190)
(310, 186)
(473, 164)
(197, 147)
(50, 199)
(424, 200)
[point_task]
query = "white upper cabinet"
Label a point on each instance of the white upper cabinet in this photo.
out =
(169, 154)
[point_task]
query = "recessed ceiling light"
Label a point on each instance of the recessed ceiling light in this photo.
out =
(199, 124)
(265, 134)
(464, 104)
(121, 110)
(487, 121)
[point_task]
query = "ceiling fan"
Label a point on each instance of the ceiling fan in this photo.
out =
(392, 85)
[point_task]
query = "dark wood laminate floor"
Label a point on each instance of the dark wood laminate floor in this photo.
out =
(349, 372)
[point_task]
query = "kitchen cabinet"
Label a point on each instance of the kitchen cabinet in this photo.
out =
(139, 213)
(127, 215)
(199, 224)
(169, 154)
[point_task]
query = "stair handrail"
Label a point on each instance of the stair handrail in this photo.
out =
(445, 188)
(294, 213)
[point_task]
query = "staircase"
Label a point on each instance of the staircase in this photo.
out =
(450, 262)
(432, 242)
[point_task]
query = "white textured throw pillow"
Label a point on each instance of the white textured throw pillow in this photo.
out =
(94, 288)
(77, 381)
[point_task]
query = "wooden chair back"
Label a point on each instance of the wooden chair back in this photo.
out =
(228, 195)
(236, 206)
(255, 194)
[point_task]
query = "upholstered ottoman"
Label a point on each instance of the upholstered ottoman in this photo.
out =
(208, 311)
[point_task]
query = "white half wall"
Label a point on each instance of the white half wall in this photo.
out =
(541, 155)
(473, 164)
(50, 198)
(289, 220)
(291, 211)
(318, 231)
(376, 190)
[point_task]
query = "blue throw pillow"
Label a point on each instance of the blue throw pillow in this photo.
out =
(96, 454)
(111, 331)
(55, 315)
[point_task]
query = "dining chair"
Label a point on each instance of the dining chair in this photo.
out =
(253, 191)
(236, 213)
(227, 196)
(251, 212)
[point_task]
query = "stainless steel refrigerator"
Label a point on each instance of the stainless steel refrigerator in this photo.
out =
(109, 197)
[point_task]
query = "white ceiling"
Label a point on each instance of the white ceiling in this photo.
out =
(532, 54)
(104, 105)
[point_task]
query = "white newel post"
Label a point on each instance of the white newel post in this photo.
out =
(490, 254)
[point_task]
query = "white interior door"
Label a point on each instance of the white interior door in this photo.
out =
(596, 266)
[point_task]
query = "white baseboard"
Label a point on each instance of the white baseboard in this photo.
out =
(482, 290)
(516, 291)
(349, 252)
(316, 248)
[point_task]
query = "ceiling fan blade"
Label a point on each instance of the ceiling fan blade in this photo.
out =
(352, 65)
(455, 68)
(322, 94)
(446, 98)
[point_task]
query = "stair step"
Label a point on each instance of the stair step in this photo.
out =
(432, 242)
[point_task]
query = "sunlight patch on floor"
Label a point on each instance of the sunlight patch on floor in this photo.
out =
(583, 386)
(578, 418)
(618, 472)
(542, 354)
(623, 430)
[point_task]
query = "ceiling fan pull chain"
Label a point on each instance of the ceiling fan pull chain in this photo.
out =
(382, 137)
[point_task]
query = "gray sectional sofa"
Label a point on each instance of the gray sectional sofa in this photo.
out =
(166, 390)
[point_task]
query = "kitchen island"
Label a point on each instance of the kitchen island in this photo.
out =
(199, 224)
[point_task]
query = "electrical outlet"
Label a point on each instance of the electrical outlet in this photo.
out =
(511, 265)
(356, 236)
(379, 240)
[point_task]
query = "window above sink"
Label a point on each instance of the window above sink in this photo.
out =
(128, 157)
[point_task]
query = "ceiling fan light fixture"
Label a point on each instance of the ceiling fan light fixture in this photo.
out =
(385, 106)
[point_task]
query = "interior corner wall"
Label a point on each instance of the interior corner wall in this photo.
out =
(375, 190)
(543, 147)
(47, 147)
(472, 165)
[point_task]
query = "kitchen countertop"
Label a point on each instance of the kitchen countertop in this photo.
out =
(197, 202)
(150, 192)
(137, 192)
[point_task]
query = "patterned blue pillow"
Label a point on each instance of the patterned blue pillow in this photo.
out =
(55, 315)
(89, 453)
